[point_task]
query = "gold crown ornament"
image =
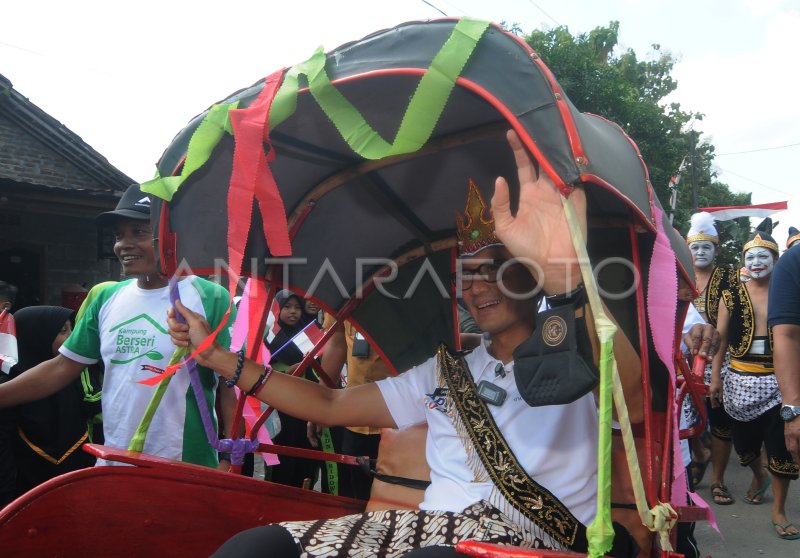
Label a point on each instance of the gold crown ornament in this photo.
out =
(475, 228)
(794, 236)
(702, 236)
(701, 227)
(759, 242)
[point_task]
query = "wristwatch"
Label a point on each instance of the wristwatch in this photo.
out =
(788, 412)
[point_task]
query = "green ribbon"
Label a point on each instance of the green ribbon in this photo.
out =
(600, 533)
(331, 468)
(422, 113)
(416, 127)
(89, 393)
(139, 437)
(205, 138)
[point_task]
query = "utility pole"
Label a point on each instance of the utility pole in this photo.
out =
(693, 140)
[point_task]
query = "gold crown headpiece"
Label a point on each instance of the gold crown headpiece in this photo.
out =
(792, 237)
(475, 228)
(701, 227)
(702, 236)
(759, 242)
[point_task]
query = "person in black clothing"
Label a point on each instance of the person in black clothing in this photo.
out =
(784, 319)
(50, 431)
(311, 313)
(292, 471)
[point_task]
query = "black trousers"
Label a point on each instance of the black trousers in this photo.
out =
(356, 483)
(766, 430)
(293, 471)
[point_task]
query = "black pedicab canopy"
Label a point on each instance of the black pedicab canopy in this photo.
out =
(346, 200)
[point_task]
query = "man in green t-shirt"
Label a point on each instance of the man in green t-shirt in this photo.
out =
(125, 328)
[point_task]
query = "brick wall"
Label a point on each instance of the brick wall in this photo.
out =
(68, 248)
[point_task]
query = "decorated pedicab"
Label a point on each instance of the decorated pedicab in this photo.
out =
(337, 178)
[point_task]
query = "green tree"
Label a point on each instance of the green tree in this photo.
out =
(631, 92)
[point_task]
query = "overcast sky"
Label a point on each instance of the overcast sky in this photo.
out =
(127, 78)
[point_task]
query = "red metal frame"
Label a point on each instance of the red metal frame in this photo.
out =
(691, 383)
(131, 511)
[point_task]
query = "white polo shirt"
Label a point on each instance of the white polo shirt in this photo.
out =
(557, 445)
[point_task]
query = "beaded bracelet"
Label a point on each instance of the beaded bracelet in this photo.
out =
(238, 372)
(262, 380)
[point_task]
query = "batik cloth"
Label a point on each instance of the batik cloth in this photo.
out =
(391, 533)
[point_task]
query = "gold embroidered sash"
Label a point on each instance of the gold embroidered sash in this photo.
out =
(527, 497)
(722, 278)
(742, 324)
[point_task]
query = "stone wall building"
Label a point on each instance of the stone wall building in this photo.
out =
(52, 185)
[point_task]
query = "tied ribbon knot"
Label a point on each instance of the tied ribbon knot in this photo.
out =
(661, 519)
(237, 448)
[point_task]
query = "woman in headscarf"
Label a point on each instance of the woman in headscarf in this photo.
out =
(311, 313)
(50, 431)
(292, 471)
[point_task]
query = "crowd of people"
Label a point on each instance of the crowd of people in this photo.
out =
(529, 488)
(747, 409)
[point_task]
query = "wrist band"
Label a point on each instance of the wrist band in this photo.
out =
(223, 456)
(238, 372)
(262, 379)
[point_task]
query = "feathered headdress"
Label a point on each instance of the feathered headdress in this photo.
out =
(702, 228)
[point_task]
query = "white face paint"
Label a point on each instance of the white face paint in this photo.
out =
(703, 252)
(759, 262)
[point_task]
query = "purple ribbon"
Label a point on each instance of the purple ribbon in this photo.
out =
(239, 447)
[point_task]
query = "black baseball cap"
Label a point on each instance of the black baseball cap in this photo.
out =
(134, 204)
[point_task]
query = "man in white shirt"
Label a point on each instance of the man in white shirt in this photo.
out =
(485, 445)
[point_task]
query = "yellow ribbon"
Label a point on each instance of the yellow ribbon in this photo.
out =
(662, 517)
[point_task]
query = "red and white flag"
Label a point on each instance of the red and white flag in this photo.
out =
(308, 338)
(8, 342)
(272, 321)
(726, 213)
(674, 184)
(305, 340)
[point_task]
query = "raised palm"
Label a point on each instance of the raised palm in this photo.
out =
(539, 230)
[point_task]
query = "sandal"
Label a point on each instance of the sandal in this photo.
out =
(697, 471)
(721, 495)
(785, 527)
(756, 497)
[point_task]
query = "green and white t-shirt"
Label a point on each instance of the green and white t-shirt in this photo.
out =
(126, 327)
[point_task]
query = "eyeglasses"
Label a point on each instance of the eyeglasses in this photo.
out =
(484, 272)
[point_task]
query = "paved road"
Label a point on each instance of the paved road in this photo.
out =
(746, 530)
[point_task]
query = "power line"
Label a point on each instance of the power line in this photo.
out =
(753, 181)
(23, 49)
(544, 12)
(434, 7)
(757, 150)
(49, 58)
